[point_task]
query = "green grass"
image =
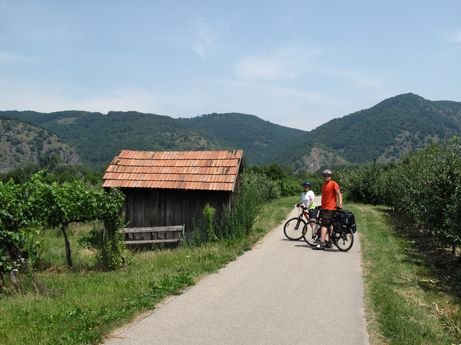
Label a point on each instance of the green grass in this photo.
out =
(412, 287)
(52, 253)
(411, 298)
(82, 306)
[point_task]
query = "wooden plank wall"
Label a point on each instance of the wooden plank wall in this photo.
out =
(158, 207)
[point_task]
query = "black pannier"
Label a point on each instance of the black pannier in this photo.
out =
(346, 219)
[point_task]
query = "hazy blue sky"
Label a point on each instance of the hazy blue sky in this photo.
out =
(294, 63)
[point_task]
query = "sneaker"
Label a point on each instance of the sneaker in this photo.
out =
(319, 246)
(328, 244)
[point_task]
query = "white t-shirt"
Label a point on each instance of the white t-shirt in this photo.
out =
(307, 198)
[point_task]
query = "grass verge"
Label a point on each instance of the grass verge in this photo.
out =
(412, 292)
(81, 307)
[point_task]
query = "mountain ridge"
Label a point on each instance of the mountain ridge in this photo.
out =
(384, 132)
(99, 137)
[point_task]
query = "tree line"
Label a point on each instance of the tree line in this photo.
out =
(425, 187)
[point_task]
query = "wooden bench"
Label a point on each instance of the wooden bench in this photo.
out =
(153, 234)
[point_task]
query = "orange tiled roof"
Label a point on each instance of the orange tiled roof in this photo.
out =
(203, 170)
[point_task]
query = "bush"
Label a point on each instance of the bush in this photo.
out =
(208, 214)
(279, 181)
(254, 190)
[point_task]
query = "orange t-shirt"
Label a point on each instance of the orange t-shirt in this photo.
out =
(329, 190)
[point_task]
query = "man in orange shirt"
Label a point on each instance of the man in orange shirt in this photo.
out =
(331, 197)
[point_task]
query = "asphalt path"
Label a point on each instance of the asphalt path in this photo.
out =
(280, 292)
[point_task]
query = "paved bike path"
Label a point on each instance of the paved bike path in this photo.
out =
(280, 292)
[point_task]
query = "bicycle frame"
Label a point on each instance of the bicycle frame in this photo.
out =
(304, 212)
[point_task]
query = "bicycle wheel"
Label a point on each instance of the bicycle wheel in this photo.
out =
(294, 228)
(311, 235)
(343, 240)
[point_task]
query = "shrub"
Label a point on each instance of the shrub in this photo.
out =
(208, 214)
(239, 220)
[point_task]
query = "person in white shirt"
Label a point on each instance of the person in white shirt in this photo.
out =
(307, 202)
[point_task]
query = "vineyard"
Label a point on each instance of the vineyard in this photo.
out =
(34, 206)
(425, 187)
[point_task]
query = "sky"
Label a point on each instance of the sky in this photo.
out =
(294, 63)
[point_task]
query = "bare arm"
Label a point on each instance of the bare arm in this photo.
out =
(339, 197)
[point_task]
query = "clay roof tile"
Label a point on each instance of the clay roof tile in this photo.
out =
(204, 170)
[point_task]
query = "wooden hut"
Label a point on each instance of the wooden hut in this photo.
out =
(172, 188)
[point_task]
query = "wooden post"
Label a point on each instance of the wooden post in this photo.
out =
(108, 237)
(67, 244)
(104, 253)
(14, 277)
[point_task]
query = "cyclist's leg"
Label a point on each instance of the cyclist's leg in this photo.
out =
(330, 228)
(312, 234)
(325, 222)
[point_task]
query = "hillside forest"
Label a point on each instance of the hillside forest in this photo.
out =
(382, 133)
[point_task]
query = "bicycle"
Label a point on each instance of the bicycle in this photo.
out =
(292, 226)
(341, 235)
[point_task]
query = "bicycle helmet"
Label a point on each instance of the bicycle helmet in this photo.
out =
(306, 183)
(327, 172)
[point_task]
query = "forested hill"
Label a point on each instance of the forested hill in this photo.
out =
(23, 143)
(261, 140)
(384, 132)
(99, 137)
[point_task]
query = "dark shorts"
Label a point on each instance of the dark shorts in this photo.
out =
(327, 217)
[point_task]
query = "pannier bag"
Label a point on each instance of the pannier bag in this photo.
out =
(314, 212)
(346, 219)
